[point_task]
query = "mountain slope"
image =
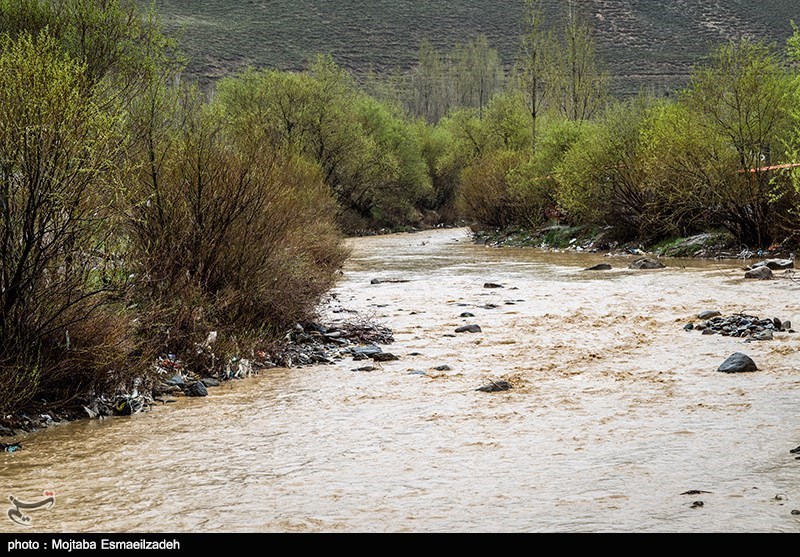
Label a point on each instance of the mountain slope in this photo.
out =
(644, 42)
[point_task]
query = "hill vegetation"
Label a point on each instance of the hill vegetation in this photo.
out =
(645, 43)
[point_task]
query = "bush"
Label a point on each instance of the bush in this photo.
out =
(60, 272)
(603, 179)
(229, 233)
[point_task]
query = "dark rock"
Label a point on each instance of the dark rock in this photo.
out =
(384, 357)
(646, 263)
(763, 335)
(759, 273)
(509, 303)
(495, 386)
(389, 281)
(738, 363)
(688, 327)
(694, 492)
(416, 372)
(448, 368)
(701, 326)
(175, 380)
(489, 306)
(415, 354)
(599, 267)
(467, 314)
(364, 352)
(795, 511)
(365, 368)
(195, 389)
(492, 285)
(708, 314)
(708, 332)
(469, 329)
(10, 447)
(696, 504)
(776, 323)
(796, 450)
(210, 382)
(786, 325)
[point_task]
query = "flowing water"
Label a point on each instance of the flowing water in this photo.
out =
(615, 412)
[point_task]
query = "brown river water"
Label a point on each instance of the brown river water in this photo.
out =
(615, 412)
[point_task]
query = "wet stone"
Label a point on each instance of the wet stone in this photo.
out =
(469, 329)
(759, 273)
(495, 386)
(708, 314)
(467, 314)
(384, 357)
(195, 389)
(444, 367)
(646, 263)
(599, 267)
(175, 380)
(365, 368)
(210, 382)
(738, 363)
(492, 285)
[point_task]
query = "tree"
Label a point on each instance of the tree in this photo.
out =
(743, 96)
(428, 84)
(57, 178)
(576, 83)
(531, 70)
(476, 74)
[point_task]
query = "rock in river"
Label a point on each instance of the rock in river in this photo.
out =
(646, 263)
(708, 314)
(760, 273)
(737, 363)
(492, 285)
(600, 267)
(469, 329)
(384, 357)
(467, 314)
(495, 386)
(195, 389)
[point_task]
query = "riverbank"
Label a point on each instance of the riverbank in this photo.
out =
(169, 379)
(588, 239)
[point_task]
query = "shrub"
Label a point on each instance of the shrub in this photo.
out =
(59, 270)
(229, 233)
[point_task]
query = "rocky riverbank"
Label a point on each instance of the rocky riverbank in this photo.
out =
(308, 343)
(709, 245)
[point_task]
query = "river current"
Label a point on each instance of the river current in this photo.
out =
(616, 411)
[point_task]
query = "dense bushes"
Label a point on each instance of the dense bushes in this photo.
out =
(136, 217)
(60, 272)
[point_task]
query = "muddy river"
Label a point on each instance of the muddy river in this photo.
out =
(616, 411)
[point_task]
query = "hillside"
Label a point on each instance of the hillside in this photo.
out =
(644, 42)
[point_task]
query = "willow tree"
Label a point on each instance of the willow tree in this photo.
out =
(531, 69)
(743, 96)
(577, 84)
(57, 178)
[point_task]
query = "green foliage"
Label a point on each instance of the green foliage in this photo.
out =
(743, 97)
(56, 167)
(602, 177)
(370, 157)
(229, 232)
